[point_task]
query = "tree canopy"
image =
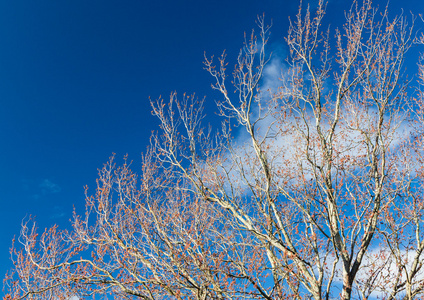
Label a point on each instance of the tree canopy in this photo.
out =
(318, 194)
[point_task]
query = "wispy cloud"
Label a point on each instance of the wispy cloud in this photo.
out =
(58, 213)
(40, 188)
(49, 187)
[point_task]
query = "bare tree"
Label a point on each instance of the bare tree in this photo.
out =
(319, 197)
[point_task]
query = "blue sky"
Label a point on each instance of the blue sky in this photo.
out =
(75, 82)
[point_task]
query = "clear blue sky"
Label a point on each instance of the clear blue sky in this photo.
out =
(75, 82)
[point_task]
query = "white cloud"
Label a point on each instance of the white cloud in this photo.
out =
(272, 74)
(380, 268)
(289, 144)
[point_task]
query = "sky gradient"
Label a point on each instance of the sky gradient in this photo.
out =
(75, 82)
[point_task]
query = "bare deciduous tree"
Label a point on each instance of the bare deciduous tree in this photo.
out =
(319, 197)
